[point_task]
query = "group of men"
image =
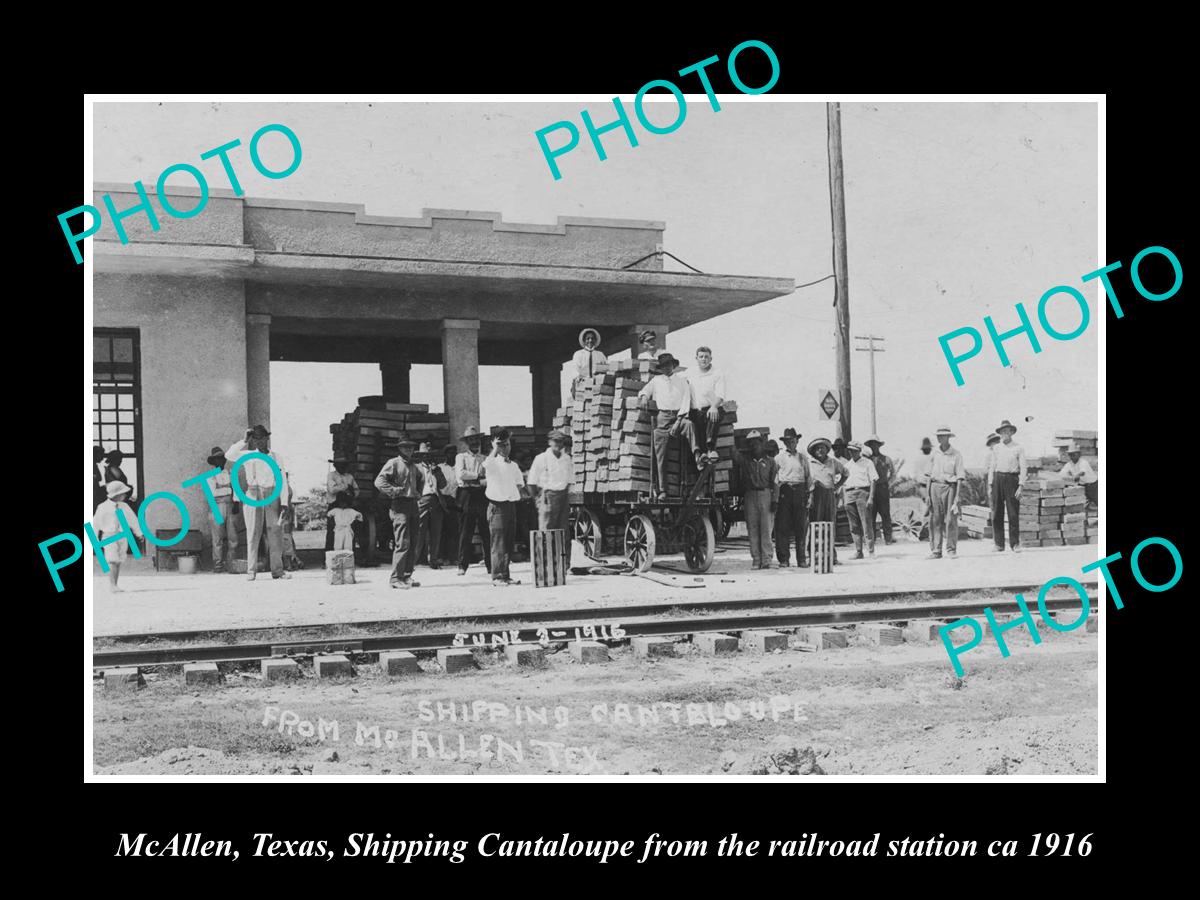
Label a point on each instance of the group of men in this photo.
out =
(686, 406)
(488, 489)
(784, 490)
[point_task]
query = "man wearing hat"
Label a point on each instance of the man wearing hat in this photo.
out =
(429, 510)
(257, 481)
(826, 476)
(472, 497)
(587, 360)
(791, 519)
(1006, 474)
(672, 396)
(649, 341)
(550, 478)
(881, 498)
(859, 486)
(402, 483)
(946, 474)
(1078, 471)
(337, 481)
(760, 497)
(708, 393)
(224, 533)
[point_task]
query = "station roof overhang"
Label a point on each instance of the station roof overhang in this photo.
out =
(386, 308)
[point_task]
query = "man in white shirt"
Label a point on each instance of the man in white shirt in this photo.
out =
(549, 480)
(340, 479)
(588, 361)
(1078, 471)
(257, 481)
(649, 340)
(504, 480)
(224, 534)
(429, 510)
(1006, 474)
(671, 394)
(449, 499)
(708, 393)
(791, 519)
(859, 486)
(472, 500)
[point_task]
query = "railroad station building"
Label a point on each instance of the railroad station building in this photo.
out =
(188, 319)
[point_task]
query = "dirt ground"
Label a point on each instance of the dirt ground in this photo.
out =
(863, 710)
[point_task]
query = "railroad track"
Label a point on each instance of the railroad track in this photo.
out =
(594, 614)
(563, 627)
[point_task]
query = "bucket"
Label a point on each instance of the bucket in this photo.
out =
(187, 565)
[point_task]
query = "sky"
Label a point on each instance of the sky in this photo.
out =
(954, 211)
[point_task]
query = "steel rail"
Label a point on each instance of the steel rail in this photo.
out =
(592, 613)
(432, 641)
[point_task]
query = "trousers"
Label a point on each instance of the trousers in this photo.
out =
(666, 426)
(943, 518)
(791, 521)
(758, 524)
(502, 525)
(553, 511)
(474, 516)
(403, 515)
(224, 536)
(258, 519)
(882, 503)
(704, 429)
(429, 529)
(857, 510)
(1004, 500)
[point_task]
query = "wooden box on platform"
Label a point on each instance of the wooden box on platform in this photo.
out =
(340, 566)
(820, 547)
(551, 554)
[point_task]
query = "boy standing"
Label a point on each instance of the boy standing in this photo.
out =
(108, 522)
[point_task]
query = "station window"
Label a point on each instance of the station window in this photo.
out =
(116, 398)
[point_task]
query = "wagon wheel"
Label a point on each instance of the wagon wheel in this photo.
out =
(719, 523)
(586, 531)
(699, 543)
(639, 543)
(910, 523)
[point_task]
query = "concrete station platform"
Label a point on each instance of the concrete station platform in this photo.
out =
(156, 602)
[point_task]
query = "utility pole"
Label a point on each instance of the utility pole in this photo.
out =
(837, 208)
(872, 349)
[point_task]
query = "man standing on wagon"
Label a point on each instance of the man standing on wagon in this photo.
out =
(672, 395)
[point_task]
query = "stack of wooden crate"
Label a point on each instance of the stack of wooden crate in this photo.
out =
(977, 520)
(367, 436)
(1052, 513)
(611, 438)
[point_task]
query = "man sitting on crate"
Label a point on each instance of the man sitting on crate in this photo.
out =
(672, 395)
(708, 393)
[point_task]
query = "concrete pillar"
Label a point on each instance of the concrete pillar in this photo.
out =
(396, 381)
(258, 369)
(460, 373)
(635, 343)
(547, 392)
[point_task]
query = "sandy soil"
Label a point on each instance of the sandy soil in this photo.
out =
(864, 710)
